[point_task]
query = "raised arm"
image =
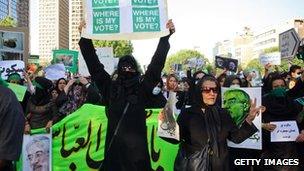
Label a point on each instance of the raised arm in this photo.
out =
(157, 63)
(101, 78)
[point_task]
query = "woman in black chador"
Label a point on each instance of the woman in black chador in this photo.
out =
(126, 96)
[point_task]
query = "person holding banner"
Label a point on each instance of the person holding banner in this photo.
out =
(205, 124)
(11, 126)
(125, 97)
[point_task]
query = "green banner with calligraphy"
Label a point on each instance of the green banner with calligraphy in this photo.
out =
(79, 139)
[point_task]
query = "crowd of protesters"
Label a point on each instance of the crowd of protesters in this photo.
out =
(127, 93)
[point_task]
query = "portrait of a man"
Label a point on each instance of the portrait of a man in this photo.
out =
(237, 102)
(38, 153)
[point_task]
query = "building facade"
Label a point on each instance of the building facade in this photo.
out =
(17, 9)
(75, 16)
(23, 13)
(53, 27)
(251, 44)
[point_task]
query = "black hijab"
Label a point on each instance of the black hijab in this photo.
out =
(211, 112)
(127, 83)
(42, 94)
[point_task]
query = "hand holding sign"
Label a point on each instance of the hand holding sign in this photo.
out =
(285, 131)
(170, 26)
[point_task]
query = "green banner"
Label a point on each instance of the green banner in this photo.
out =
(69, 58)
(78, 141)
(18, 90)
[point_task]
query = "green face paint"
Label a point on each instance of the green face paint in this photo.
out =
(237, 102)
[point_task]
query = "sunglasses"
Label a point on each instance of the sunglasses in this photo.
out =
(128, 68)
(209, 89)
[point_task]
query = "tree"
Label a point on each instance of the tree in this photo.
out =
(272, 49)
(8, 22)
(120, 47)
(181, 57)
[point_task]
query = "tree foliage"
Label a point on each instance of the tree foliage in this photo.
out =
(120, 47)
(271, 49)
(8, 22)
(181, 57)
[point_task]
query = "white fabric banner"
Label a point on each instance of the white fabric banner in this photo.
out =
(237, 102)
(125, 19)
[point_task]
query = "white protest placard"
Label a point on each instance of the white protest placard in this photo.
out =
(37, 152)
(125, 19)
(11, 66)
(54, 72)
(237, 102)
(105, 56)
(271, 58)
(285, 131)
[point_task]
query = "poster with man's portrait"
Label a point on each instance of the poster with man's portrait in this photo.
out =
(226, 63)
(37, 152)
(68, 58)
(237, 101)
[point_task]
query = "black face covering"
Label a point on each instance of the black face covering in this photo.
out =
(127, 61)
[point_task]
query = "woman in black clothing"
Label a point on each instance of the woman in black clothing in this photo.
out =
(74, 95)
(126, 96)
(281, 106)
(193, 131)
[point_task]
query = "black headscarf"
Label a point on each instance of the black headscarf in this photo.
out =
(42, 94)
(126, 84)
(211, 112)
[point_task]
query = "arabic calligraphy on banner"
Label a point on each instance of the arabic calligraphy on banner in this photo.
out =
(79, 139)
(11, 66)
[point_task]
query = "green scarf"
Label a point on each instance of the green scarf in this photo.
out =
(3, 83)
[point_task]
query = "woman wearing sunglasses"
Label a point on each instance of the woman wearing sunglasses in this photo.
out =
(207, 125)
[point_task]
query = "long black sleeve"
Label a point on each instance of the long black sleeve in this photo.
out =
(238, 135)
(157, 63)
(96, 69)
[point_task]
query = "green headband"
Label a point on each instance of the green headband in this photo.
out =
(14, 77)
(37, 84)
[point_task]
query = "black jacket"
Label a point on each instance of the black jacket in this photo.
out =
(193, 134)
(129, 150)
(11, 125)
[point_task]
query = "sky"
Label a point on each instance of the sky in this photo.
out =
(201, 23)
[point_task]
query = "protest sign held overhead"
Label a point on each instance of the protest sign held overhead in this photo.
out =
(10, 67)
(55, 72)
(226, 63)
(125, 19)
(68, 58)
(271, 58)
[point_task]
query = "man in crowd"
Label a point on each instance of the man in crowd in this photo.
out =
(38, 153)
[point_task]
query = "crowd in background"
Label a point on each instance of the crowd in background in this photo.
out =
(48, 101)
